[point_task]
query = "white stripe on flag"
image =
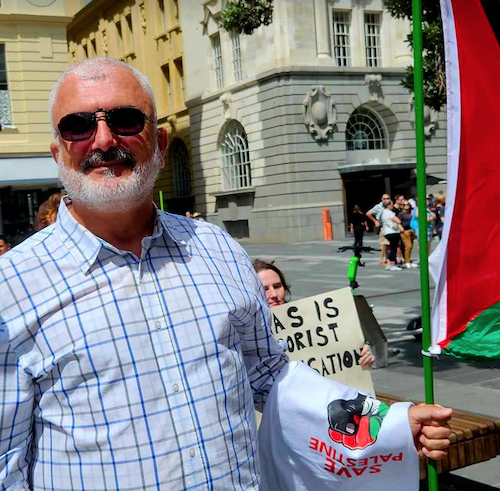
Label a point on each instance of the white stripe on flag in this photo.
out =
(438, 259)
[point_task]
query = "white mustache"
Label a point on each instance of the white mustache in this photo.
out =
(99, 157)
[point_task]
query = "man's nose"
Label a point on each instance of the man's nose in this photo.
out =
(103, 137)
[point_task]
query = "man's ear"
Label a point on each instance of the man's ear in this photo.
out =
(54, 150)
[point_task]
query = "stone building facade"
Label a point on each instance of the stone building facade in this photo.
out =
(304, 115)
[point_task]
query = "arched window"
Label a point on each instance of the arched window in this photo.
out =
(180, 163)
(236, 171)
(364, 131)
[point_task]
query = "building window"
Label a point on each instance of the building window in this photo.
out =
(168, 82)
(180, 162)
(5, 114)
(85, 50)
(217, 53)
(364, 131)
(236, 171)
(341, 37)
(168, 86)
(93, 43)
(163, 15)
(130, 33)
(180, 74)
(237, 65)
(121, 45)
(372, 40)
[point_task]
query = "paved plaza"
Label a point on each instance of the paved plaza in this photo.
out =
(316, 267)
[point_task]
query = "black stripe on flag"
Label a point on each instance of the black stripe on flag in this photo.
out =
(492, 10)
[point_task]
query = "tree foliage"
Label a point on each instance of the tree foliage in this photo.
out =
(433, 49)
(244, 16)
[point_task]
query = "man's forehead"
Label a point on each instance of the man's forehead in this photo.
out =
(118, 87)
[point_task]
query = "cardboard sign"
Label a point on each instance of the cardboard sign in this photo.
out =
(325, 333)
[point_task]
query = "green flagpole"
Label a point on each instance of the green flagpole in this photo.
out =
(422, 218)
(160, 193)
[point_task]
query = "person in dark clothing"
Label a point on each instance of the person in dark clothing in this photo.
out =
(358, 225)
(407, 235)
(438, 211)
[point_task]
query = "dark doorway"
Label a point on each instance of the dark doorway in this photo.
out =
(365, 188)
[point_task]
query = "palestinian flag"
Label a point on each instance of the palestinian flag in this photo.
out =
(466, 310)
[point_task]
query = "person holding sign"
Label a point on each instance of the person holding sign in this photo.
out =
(278, 293)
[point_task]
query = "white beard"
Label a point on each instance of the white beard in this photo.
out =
(112, 193)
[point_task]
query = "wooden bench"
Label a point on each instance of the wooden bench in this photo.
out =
(474, 438)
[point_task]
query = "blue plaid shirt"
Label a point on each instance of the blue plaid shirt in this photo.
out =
(132, 374)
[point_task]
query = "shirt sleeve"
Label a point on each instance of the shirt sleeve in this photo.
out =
(264, 357)
(375, 211)
(16, 417)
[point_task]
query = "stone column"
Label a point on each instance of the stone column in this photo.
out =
(322, 30)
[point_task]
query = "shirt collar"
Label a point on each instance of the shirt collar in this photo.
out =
(84, 246)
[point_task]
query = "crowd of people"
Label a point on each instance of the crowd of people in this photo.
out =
(396, 222)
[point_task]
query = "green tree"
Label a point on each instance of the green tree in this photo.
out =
(433, 52)
(244, 16)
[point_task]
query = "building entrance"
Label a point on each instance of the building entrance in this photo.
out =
(365, 188)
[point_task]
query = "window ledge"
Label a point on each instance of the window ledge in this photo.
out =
(233, 192)
(166, 34)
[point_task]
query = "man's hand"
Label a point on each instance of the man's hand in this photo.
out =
(430, 430)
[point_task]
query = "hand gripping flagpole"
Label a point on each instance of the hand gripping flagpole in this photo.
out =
(422, 218)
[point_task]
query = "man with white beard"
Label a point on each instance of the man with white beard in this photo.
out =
(134, 344)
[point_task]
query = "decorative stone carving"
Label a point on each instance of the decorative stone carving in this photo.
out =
(374, 83)
(142, 14)
(320, 114)
(211, 9)
(372, 79)
(430, 118)
(226, 100)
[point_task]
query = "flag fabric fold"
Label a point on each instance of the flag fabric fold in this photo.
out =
(465, 266)
(318, 434)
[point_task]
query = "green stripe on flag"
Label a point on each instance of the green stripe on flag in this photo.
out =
(481, 338)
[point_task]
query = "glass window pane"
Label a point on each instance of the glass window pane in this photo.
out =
(236, 166)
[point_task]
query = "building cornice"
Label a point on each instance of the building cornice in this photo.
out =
(29, 18)
(295, 71)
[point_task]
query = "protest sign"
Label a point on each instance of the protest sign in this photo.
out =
(325, 333)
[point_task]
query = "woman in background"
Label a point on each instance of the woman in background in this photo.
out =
(47, 212)
(278, 293)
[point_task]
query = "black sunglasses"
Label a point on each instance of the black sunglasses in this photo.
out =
(123, 121)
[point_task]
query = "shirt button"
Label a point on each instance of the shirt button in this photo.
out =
(192, 453)
(176, 388)
(158, 324)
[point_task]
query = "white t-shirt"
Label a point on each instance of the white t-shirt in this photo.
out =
(317, 434)
(389, 226)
